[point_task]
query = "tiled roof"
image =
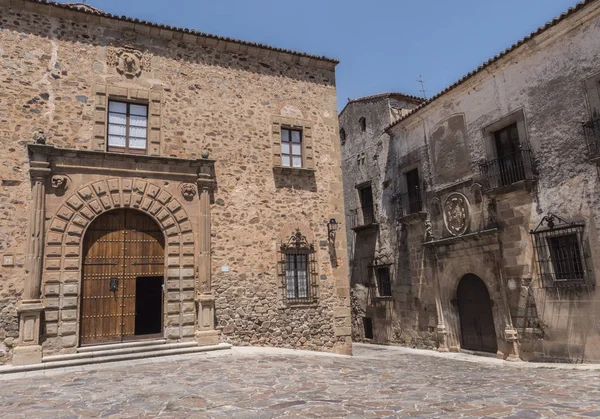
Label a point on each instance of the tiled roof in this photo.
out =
(579, 6)
(408, 98)
(94, 11)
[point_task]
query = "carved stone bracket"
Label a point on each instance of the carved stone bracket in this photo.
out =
(188, 191)
(59, 182)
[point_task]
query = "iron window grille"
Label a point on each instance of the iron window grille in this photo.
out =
(508, 169)
(559, 252)
(410, 202)
(291, 147)
(384, 281)
(592, 136)
(127, 127)
(298, 270)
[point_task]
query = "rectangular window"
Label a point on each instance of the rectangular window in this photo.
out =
(296, 276)
(291, 147)
(508, 151)
(384, 283)
(127, 127)
(365, 195)
(566, 257)
(413, 191)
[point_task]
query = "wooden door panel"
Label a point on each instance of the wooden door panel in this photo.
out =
(121, 245)
(475, 314)
(103, 260)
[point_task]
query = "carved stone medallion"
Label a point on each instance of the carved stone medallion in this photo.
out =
(129, 61)
(456, 214)
(188, 191)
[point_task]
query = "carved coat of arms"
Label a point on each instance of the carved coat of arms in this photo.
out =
(456, 214)
(129, 61)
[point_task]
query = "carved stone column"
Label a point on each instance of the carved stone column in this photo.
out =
(29, 350)
(441, 331)
(205, 299)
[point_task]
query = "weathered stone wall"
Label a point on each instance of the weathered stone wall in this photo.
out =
(543, 86)
(54, 70)
(547, 87)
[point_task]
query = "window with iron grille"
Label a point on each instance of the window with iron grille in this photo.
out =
(559, 252)
(291, 147)
(384, 281)
(298, 270)
(127, 127)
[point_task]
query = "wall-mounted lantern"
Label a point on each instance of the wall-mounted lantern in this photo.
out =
(332, 227)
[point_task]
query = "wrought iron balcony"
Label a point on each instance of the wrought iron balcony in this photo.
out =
(507, 170)
(362, 217)
(410, 203)
(592, 136)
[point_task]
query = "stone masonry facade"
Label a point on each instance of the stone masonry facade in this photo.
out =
(212, 177)
(491, 185)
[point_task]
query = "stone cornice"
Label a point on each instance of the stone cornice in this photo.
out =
(73, 160)
(159, 31)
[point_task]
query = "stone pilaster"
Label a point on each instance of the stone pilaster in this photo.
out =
(205, 299)
(30, 308)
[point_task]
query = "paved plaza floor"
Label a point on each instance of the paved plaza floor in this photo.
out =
(269, 383)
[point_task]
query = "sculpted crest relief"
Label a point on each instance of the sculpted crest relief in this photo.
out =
(456, 214)
(129, 61)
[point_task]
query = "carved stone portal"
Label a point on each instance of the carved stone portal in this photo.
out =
(129, 61)
(456, 214)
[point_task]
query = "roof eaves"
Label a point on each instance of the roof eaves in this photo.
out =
(97, 12)
(572, 10)
(414, 99)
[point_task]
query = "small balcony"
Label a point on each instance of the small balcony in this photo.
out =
(410, 205)
(508, 172)
(592, 136)
(362, 218)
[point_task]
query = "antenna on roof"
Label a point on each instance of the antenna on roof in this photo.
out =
(422, 83)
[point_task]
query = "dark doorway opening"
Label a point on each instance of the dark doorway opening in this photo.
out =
(148, 305)
(368, 325)
(476, 317)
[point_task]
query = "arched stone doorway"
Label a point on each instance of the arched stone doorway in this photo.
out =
(475, 314)
(123, 271)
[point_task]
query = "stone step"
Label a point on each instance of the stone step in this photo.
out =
(110, 346)
(101, 351)
(110, 356)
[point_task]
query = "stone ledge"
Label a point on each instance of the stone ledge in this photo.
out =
(297, 171)
(466, 237)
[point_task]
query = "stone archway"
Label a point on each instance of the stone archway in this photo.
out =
(63, 251)
(477, 329)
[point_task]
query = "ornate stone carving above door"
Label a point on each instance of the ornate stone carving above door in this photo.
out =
(457, 214)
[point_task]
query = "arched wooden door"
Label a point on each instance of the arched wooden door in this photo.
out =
(476, 318)
(123, 276)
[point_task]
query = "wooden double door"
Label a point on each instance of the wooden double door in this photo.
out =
(123, 277)
(476, 318)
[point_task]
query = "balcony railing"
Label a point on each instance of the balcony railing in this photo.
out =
(592, 136)
(410, 203)
(507, 170)
(362, 217)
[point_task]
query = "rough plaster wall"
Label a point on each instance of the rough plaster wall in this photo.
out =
(545, 80)
(215, 100)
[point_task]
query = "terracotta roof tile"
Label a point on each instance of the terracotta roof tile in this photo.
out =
(408, 98)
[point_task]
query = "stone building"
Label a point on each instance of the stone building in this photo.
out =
(478, 210)
(162, 183)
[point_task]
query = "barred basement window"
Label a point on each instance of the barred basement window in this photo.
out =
(298, 270)
(559, 252)
(384, 282)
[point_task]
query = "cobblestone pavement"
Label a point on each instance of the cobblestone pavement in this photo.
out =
(256, 383)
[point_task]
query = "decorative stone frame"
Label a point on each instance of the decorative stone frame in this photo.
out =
(308, 157)
(102, 182)
(63, 253)
(154, 99)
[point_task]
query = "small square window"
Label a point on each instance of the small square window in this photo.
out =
(127, 127)
(291, 147)
(384, 283)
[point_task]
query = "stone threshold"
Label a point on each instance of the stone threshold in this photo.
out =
(115, 354)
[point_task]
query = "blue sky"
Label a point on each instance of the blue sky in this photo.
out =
(383, 45)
